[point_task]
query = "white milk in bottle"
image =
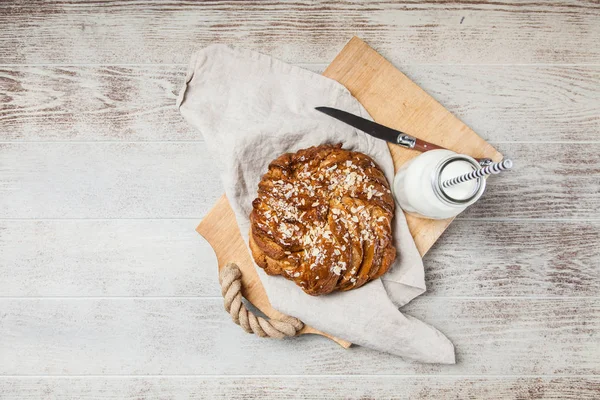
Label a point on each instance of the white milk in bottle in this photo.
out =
(418, 184)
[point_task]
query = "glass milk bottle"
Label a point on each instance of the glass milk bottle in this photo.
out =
(418, 185)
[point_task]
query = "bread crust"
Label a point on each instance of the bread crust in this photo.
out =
(322, 218)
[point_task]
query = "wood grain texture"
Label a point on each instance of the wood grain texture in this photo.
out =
(549, 180)
(195, 336)
(220, 230)
(92, 103)
(465, 32)
(310, 387)
(515, 258)
(107, 180)
(503, 103)
(167, 258)
(56, 258)
(516, 103)
(181, 180)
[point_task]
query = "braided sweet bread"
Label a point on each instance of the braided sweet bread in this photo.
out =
(322, 219)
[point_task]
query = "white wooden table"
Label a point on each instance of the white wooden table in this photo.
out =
(107, 292)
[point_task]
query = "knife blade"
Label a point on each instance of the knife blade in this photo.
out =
(379, 131)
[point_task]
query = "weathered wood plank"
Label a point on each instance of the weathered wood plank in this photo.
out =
(310, 387)
(462, 32)
(513, 103)
(502, 103)
(180, 180)
(550, 180)
(515, 258)
(195, 336)
(105, 258)
(107, 180)
(92, 103)
(168, 258)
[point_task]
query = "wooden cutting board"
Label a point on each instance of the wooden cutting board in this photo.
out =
(392, 99)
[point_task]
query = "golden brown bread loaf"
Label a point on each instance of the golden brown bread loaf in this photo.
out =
(322, 218)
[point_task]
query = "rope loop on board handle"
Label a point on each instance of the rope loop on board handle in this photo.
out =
(230, 278)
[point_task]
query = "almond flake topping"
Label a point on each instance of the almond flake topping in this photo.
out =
(338, 188)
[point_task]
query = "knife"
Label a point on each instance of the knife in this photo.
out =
(388, 134)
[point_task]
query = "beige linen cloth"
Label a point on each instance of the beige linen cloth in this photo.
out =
(251, 108)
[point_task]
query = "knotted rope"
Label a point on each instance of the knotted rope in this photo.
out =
(230, 278)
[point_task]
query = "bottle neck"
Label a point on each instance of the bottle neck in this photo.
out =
(463, 194)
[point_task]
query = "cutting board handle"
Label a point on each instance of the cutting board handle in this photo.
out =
(230, 279)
